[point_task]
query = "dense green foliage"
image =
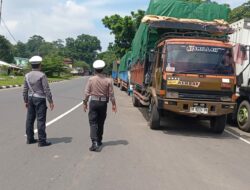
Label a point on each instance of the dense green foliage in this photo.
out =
(82, 64)
(53, 65)
(83, 48)
(124, 29)
(240, 12)
(5, 50)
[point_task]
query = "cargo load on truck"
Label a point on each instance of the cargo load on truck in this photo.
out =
(146, 37)
(124, 71)
(182, 62)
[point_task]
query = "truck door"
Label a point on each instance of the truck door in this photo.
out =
(158, 68)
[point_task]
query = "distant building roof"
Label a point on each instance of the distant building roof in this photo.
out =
(20, 61)
(67, 61)
(2, 63)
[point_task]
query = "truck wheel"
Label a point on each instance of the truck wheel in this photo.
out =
(218, 123)
(135, 101)
(243, 116)
(154, 117)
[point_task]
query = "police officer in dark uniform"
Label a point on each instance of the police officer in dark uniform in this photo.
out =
(100, 90)
(36, 90)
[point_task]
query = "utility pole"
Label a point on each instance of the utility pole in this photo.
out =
(1, 4)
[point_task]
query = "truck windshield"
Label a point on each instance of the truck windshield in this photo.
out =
(184, 58)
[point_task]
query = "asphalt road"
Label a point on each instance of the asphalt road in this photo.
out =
(184, 154)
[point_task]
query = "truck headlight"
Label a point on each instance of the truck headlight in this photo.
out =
(172, 95)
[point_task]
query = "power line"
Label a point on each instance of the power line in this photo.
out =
(1, 20)
(6, 27)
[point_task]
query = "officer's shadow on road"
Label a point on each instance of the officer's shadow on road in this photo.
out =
(60, 140)
(114, 143)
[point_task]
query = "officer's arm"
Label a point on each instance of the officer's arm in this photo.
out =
(111, 93)
(87, 92)
(112, 97)
(25, 91)
(47, 89)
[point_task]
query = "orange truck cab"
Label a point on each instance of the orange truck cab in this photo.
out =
(188, 75)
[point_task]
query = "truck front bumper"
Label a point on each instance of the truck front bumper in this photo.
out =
(196, 107)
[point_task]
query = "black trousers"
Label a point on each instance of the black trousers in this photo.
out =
(97, 116)
(37, 109)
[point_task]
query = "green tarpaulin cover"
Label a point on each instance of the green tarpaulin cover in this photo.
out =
(145, 39)
(125, 62)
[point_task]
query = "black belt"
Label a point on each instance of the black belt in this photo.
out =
(99, 98)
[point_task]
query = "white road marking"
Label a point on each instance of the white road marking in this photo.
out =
(238, 137)
(61, 116)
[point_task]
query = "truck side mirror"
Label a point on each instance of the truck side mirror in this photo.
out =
(151, 55)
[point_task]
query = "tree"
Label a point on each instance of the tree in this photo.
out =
(240, 12)
(82, 64)
(59, 45)
(34, 45)
(124, 29)
(53, 63)
(137, 17)
(70, 48)
(47, 48)
(6, 50)
(20, 50)
(84, 48)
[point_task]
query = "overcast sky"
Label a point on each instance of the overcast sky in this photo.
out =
(59, 19)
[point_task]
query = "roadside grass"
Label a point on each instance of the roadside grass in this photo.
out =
(19, 80)
(11, 80)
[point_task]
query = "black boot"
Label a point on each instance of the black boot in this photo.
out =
(94, 146)
(31, 141)
(99, 143)
(44, 143)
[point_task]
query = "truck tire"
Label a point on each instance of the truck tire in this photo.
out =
(218, 123)
(135, 101)
(243, 116)
(154, 117)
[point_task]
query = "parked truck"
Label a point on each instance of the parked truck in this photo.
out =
(115, 73)
(184, 66)
(241, 40)
(124, 71)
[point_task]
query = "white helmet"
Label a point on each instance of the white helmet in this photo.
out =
(99, 64)
(36, 59)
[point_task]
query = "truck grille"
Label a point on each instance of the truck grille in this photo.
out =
(201, 95)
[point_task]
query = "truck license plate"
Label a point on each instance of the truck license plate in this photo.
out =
(199, 110)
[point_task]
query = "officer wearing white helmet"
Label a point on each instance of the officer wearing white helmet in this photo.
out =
(35, 92)
(100, 90)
